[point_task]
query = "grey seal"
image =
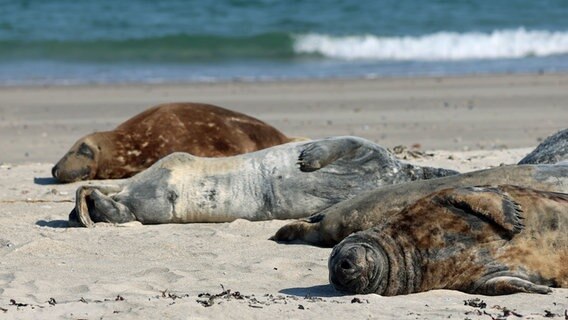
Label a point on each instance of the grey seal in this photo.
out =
(368, 209)
(552, 150)
(288, 181)
(481, 240)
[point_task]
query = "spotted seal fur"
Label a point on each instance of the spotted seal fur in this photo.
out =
(200, 129)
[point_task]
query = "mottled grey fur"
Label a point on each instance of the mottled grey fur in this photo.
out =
(287, 181)
(480, 240)
(552, 150)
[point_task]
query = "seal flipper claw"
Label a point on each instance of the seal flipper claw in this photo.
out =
(490, 204)
(510, 284)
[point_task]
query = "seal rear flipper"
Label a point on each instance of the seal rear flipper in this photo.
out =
(80, 216)
(319, 154)
(106, 209)
(509, 284)
(489, 204)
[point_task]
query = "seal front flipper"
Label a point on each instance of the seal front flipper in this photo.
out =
(490, 204)
(509, 284)
(321, 153)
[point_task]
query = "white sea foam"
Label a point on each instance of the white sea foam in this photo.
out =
(511, 43)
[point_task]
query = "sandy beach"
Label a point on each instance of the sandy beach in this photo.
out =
(231, 270)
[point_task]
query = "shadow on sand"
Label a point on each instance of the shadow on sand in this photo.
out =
(53, 223)
(321, 291)
(45, 181)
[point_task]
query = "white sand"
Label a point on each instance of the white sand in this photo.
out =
(159, 271)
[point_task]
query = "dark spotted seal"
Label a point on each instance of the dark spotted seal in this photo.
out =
(368, 209)
(200, 129)
(480, 240)
(552, 150)
(287, 181)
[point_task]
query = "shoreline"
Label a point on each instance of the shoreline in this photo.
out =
(268, 81)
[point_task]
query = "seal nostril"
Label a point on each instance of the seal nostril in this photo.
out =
(346, 265)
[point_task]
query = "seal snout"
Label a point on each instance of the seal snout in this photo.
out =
(349, 269)
(54, 171)
(65, 172)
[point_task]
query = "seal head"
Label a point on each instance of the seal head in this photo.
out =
(357, 267)
(80, 162)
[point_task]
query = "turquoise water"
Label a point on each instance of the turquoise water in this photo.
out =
(65, 41)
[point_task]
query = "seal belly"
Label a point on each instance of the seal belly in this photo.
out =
(225, 189)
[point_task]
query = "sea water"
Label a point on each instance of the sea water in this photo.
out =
(146, 41)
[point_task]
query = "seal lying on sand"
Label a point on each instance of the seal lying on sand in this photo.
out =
(371, 208)
(480, 240)
(552, 150)
(287, 181)
(200, 129)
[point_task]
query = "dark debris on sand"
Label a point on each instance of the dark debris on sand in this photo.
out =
(504, 313)
(208, 299)
(17, 304)
(402, 152)
(476, 303)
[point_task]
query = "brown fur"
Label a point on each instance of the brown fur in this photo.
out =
(199, 129)
(477, 240)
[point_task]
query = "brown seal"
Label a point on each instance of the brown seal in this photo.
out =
(199, 129)
(480, 240)
(365, 210)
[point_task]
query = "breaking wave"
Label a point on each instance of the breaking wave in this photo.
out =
(499, 44)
